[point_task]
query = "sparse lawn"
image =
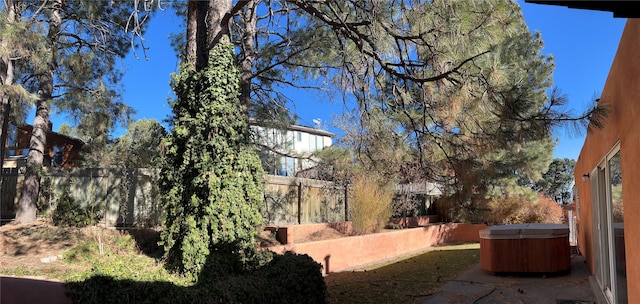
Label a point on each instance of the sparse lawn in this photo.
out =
(81, 253)
(130, 260)
(403, 281)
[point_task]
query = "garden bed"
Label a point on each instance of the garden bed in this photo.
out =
(344, 253)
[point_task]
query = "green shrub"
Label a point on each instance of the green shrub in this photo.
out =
(289, 278)
(68, 213)
(372, 200)
(298, 279)
(82, 252)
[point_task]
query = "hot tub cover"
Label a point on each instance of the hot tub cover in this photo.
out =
(522, 231)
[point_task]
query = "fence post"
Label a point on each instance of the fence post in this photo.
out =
(300, 203)
(346, 206)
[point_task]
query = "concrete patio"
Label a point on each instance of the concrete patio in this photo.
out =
(480, 286)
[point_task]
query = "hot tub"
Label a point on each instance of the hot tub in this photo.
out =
(542, 248)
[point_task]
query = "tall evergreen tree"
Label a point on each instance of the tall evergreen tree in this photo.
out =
(78, 75)
(211, 178)
(21, 49)
(557, 181)
(141, 146)
(483, 117)
(29, 195)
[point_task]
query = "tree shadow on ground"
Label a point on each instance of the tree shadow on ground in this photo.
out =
(35, 239)
(288, 278)
(147, 241)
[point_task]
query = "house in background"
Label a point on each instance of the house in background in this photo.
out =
(288, 152)
(61, 151)
(607, 173)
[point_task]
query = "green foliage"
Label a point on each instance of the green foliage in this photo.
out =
(141, 146)
(557, 181)
(211, 178)
(481, 121)
(110, 259)
(69, 213)
(336, 164)
(291, 278)
(83, 252)
(119, 274)
(371, 207)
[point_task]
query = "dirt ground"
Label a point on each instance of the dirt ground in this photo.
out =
(324, 234)
(267, 239)
(30, 246)
(41, 245)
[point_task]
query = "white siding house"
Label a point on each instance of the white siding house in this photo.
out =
(287, 152)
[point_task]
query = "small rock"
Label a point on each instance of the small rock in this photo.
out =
(50, 259)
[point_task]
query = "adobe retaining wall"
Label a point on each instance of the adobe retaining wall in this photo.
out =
(287, 234)
(346, 253)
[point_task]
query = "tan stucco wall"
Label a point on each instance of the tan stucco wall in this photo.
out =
(621, 94)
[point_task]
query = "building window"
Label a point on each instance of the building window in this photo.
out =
(286, 166)
(299, 136)
(288, 140)
(58, 156)
(608, 223)
(291, 167)
(312, 142)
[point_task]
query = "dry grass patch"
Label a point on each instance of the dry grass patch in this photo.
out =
(371, 206)
(409, 280)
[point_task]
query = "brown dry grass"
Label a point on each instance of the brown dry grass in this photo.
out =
(408, 280)
(520, 210)
(372, 201)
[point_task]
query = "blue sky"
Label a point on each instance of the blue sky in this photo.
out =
(583, 43)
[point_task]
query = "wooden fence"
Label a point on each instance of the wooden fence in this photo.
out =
(126, 196)
(129, 197)
(291, 200)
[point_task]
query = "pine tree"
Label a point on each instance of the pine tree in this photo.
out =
(481, 120)
(211, 177)
(557, 181)
(81, 43)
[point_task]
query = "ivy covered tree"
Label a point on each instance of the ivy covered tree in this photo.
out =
(211, 180)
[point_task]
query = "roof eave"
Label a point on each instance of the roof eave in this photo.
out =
(620, 9)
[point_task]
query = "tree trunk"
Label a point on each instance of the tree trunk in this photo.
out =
(197, 51)
(249, 51)
(26, 212)
(6, 79)
(192, 27)
(218, 27)
(202, 53)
